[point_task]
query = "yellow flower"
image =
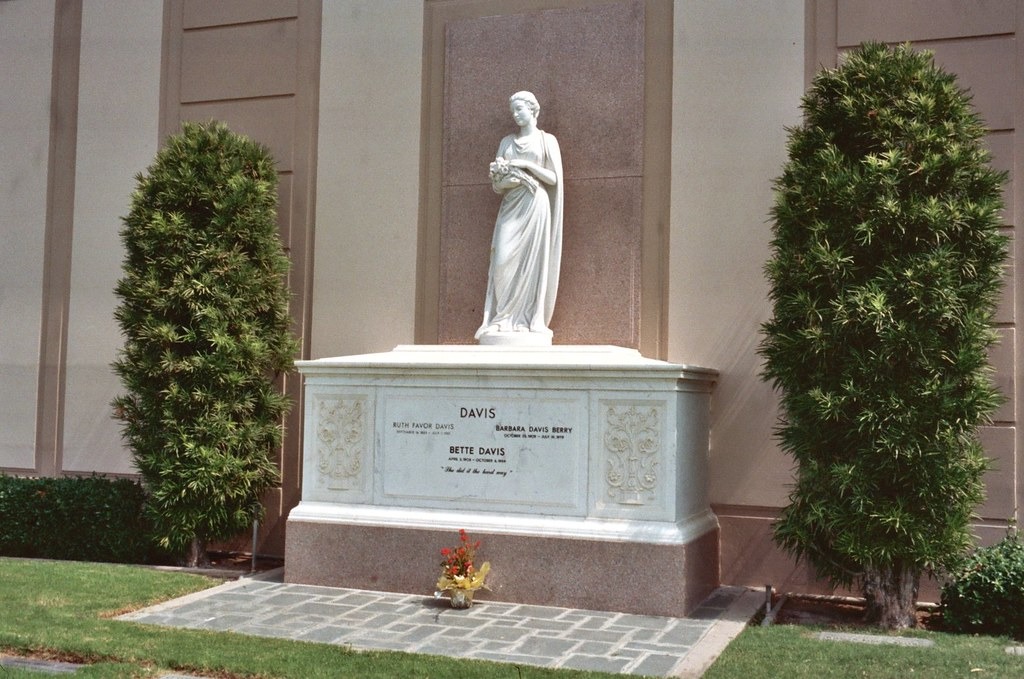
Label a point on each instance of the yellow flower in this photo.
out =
(472, 581)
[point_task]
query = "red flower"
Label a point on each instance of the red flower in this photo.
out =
(458, 560)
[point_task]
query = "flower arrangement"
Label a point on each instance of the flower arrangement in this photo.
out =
(460, 576)
(504, 176)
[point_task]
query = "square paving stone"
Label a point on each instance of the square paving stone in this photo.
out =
(537, 612)
(553, 626)
(496, 633)
(286, 623)
(381, 620)
(656, 664)
(594, 663)
(358, 598)
(493, 606)
(630, 653)
(594, 648)
(641, 634)
(706, 613)
(515, 659)
(645, 621)
(456, 622)
(547, 647)
(401, 627)
(41, 666)
(385, 642)
(162, 619)
(225, 622)
(597, 619)
(233, 598)
(683, 634)
(611, 636)
(504, 620)
(264, 631)
(439, 645)
(285, 599)
(312, 590)
(328, 634)
(326, 610)
(421, 633)
(192, 610)
(257, 586)
(646, 647)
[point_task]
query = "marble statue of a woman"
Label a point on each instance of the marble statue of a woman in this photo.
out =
(526, 250)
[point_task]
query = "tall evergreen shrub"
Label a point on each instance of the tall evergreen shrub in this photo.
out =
(204, 312)
(885, 270)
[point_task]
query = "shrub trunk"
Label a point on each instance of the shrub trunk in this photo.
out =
(891, 594)
(197, 556)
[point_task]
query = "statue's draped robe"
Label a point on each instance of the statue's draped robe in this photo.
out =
(527, 244)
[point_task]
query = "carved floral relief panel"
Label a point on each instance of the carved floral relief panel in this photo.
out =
(342, 447)
(633, 452)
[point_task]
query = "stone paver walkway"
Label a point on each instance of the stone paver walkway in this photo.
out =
(34, 665)
(490, 630)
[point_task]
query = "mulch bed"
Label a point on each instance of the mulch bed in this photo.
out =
(242, 562)
(837, 612)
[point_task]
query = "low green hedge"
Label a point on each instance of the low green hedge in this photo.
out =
(986, 594)
(85, 519)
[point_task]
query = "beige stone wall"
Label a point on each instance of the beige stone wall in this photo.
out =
(79, 121)
(26, 47)
(118, 112)
(368, 171)
(738, 79)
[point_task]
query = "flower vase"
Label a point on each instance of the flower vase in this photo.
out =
(461, 598)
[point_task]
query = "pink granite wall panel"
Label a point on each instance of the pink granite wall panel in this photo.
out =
(586, 67)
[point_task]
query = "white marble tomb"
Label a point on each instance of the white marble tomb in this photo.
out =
(583, 444)
(563, 438)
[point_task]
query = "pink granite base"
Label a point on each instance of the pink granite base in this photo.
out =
(648, 579)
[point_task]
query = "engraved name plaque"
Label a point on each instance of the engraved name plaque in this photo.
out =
(485, 448)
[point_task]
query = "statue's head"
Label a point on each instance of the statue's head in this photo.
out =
(528, 98)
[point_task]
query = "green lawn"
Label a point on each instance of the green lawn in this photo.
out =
(793, 652)
(65, 610)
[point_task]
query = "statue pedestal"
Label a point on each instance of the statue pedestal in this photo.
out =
(516, 339)
(583, 470)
